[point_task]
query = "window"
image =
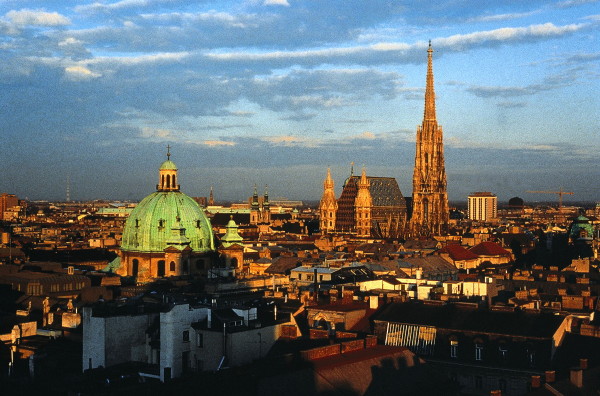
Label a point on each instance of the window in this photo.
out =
(502, 352)
(299, 276)
(453, 349)
(478, 351)
(200, 340)
(478, 382)
(186, 336)
(531, 357)
(172, 266)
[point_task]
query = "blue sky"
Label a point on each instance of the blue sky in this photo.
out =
(275, 91)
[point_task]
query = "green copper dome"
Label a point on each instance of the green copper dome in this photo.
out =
(150, 225)
(581, 228)
(168, 165)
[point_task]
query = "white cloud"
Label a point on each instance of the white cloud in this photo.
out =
(69, 41)
(501, 17)
(218, 143)
(119, 5)
(148, 132)
(508, 34)
(78, 73)
(26, 17)
(403, 52)
(277, 2)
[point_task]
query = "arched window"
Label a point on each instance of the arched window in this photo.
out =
(186, 267)
(168, 181)
(172, 266)
(135, 264)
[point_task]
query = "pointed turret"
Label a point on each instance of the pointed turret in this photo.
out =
(254, 208)
(266, 207)
(363, 205)
(328, 206)
(211, 197)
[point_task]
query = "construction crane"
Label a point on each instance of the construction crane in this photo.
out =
(560, 195)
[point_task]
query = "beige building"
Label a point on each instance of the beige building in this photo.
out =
(483, 206)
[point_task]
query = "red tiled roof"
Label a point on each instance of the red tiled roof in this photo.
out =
(489, 249)
(457, 252)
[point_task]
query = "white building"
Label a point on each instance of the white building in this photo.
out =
(483, 206)
(177, 338)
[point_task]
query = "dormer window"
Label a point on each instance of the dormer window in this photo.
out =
(161, 223)
(197, 223)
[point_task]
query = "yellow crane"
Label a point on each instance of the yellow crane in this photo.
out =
(560, 195)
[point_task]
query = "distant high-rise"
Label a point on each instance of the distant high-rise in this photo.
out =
(430, 199)
(483, 206)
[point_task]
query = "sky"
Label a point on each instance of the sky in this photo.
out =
(273, 92)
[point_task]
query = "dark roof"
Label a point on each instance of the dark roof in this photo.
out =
(431, 265)
(452, 317)
(221, 219)
(283, 265)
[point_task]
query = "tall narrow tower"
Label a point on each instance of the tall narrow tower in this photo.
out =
(363, 205)
(328, 206)
(430, 198)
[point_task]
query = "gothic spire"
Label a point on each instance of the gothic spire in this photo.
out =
(328, 184)
(429, 90)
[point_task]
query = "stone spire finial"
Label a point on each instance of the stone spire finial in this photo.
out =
(429, 90)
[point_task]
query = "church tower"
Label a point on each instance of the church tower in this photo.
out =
(266, 207)
(363, 204)
(328, 205)
(254, 208)
(430, 199)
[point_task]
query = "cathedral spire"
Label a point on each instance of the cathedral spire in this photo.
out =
(429, 90)
(328, 183)
(430, 199)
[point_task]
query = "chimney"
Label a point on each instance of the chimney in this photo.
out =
(583, 363)
(373, 302)
(550, 376)
(316, 287)
(577, 377)
(536, 381)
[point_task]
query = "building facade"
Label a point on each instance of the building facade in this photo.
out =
(388, 207)
(430, 212)
(483, 206)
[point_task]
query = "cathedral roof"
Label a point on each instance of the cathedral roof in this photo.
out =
(384, 190)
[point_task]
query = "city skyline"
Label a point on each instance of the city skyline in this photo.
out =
(275, 92)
